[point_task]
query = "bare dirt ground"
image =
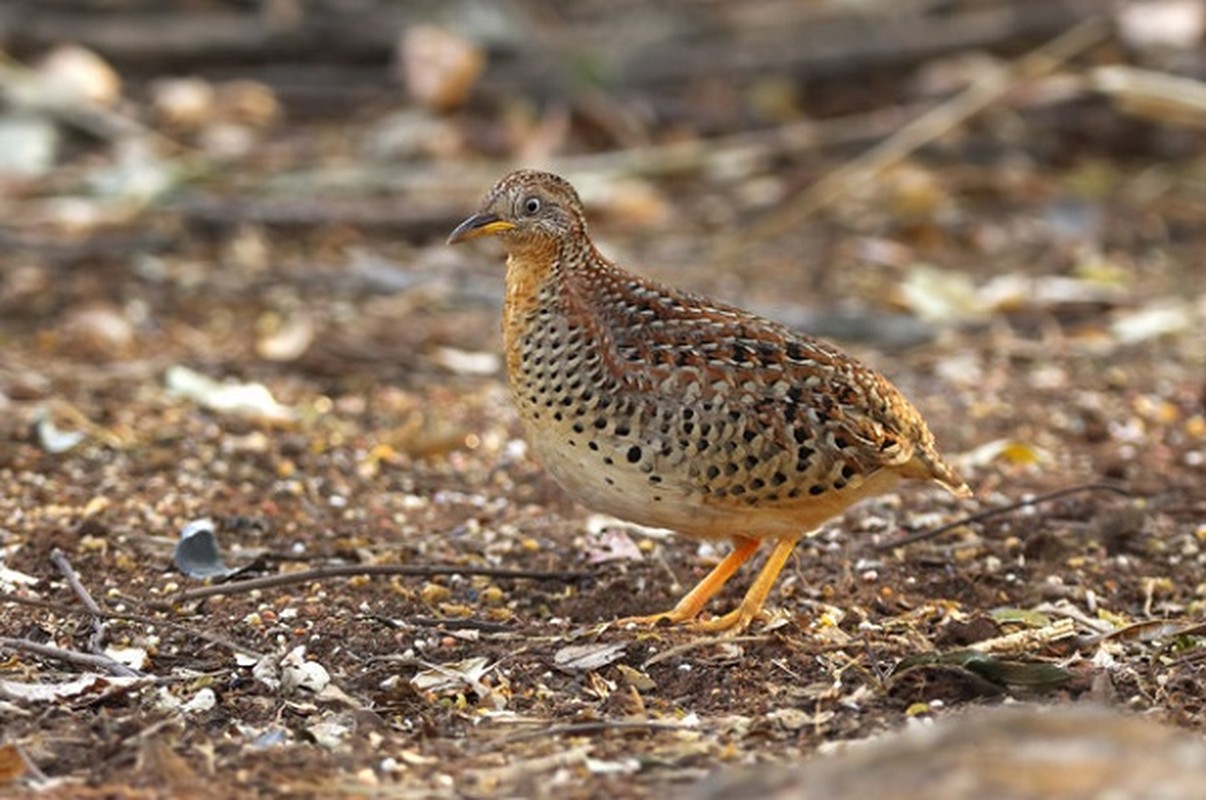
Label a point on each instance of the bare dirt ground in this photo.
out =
(1032, 279)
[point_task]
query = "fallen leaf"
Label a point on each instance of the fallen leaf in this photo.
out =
(238, 399)
(941, 296)
(55, 441)
(287, 340)
(455, 675)
(438, 66)
(1008, 451)
(582, 657)
(611, 544)
(1033, 619)
(1151, 323)
(635, 678)
(75, 75)
(133, 657)
(9, 578)
(1158, 24)
(331, 732)
(299, 673)
(463, 362)
(90, 683)
(197, 554)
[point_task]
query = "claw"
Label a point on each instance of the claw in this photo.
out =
(740, 618)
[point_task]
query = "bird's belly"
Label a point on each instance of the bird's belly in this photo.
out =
(601, 478)
(596, 472)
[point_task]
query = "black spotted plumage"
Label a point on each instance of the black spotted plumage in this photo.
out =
(701, 417)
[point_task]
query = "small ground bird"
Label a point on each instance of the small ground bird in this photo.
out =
(668, 409)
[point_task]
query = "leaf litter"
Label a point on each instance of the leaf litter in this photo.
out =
(189, 334)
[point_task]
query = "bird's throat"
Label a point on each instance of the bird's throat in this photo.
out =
(528, 274)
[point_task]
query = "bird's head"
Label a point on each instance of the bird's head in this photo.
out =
(527, 210)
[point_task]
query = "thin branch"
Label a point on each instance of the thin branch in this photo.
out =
(73, 580)
(695, 644)
(355, 570)
(602, 726)
(999, 510)
(451, 623)
(931, 125)
(59, 559)
(31, 766)
(144, 619)
(96, 661)
(746, 147)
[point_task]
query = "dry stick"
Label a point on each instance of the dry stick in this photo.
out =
(60, 561)
(144, 619)
(354, 570)
(931, 125)
(680, 649)
(451, 623)
(460, 623)
(71, 656)
(997, 511)
(31, 766)
(580, 728)
(747, 147)
(73, 580)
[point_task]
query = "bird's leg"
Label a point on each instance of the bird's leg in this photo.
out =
(740, 618)
(694, 601)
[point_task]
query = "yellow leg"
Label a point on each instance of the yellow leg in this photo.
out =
(694, 601)
(740, 618)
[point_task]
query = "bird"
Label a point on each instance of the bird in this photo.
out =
(667, 409)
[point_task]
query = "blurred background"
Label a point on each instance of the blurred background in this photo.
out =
(278, 177)
(227, 147)
(225, 293)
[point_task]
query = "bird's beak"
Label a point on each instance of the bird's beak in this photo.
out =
(479, 225)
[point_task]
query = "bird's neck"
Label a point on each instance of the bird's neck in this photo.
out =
(548, 278)
(530, 270)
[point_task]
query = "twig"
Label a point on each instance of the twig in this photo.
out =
(997, 511)
(459, 624)
(686, 647)
(747, 147)
(602, 726)
(354, 570)
(73, 580)
(452, 624)
(59, 559)
(97, 661)
(823, 40)
(1063, 608)
(931, 125)
(1025, 641)
(207, 636)
(31, 766)
(1169, 99)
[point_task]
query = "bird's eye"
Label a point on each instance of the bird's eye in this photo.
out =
(531, 205)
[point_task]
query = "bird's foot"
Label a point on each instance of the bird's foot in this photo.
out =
(674, 616)
(733, 623)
